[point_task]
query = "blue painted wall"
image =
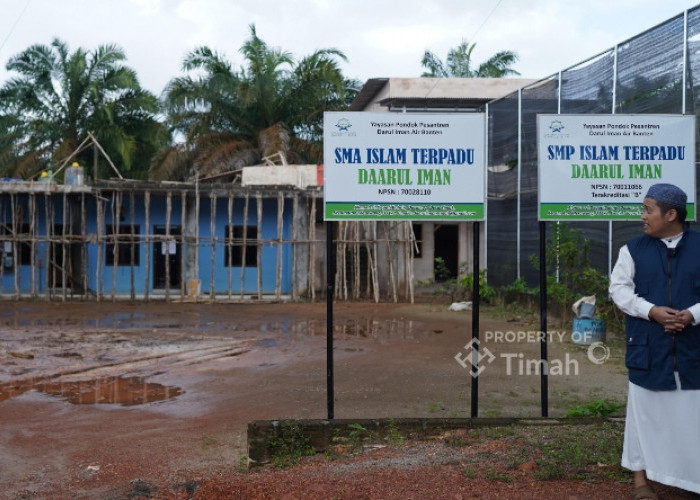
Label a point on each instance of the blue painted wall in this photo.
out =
(107, 279)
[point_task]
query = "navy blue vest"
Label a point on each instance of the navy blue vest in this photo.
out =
(664, 278)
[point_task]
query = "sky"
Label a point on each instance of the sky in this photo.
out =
(380, 38)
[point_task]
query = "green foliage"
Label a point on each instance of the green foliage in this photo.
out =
(598, 408)
(459, 64)
(356, 434)
(569, 273)
(519, 285)
(233, 117)
(577, 452)
(461, 288)
(487, 293)
(290, 445)
(469, 472)
(56, 97)
(442, 272)
(393, 435)
(446, 284)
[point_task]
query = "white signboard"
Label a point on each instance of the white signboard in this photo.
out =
(389, 166)
(599, 167)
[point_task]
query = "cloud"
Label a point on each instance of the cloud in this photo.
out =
(380, 39)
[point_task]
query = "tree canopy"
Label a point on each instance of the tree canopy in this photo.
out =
(57, 97)
(459, 64)
(228, 118)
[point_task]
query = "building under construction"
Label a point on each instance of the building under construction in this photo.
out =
(259, 235)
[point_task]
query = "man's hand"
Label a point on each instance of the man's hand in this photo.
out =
(672, 320)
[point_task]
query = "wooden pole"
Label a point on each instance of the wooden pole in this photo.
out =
(312, 249)
(244, 248)
(64, 248)
(147, 241)
(168, 213)
(15, 244)
(280, 227)
(229, 244)
(258, 197)
(114, 237)
(32, 248)
(100, 247)
(212, 240)
(84, 253)
(294, 247)
(391, 262)
(375, 270)
(197, 202)
(132, 245)
(184, 270)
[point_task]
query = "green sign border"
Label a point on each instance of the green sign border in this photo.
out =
(587, 211)
(461, 211)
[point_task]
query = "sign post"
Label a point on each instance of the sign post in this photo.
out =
(412, 167)
(599, 167)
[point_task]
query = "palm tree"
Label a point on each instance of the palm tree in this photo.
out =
(459, 64)
(58, 97)
(231, 118)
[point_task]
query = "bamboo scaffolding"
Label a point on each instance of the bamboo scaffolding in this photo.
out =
(183, 236)
(64, 252)
(244, 248)
(100, 248)
(229, 245)
(278, 245)
(165, 246)
(197, 206)
(390, 259)
(259, 202)
(212, 241)
(363, 248)
(132, 249)
(295, 235)
(148, 240)
(84, 255)
(32, 251)
(4, 240)
(15, 244)
(312, 250)
(114, 240)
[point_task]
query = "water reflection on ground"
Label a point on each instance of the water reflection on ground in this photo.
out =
(366, 327)
(125, 391)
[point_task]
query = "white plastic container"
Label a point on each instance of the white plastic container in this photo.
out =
(75, 176)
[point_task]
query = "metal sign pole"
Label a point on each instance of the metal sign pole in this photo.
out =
(543, 320)
(475, 323)
(330, 285)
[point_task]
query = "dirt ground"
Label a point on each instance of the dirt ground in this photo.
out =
(151, 400)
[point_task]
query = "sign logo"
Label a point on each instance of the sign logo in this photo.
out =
(343, 124)
(556, 126)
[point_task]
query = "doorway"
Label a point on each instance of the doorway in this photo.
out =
(446, 240)
(167, 258)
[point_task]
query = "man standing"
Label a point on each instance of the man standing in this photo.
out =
(656, 283)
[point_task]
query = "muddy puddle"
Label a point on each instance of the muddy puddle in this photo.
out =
(46, 353)
(124, 391)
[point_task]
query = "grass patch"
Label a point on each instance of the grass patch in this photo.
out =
(588, 452)
(598, 408)
(393, 434)
(585, 452)
(290, 445)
